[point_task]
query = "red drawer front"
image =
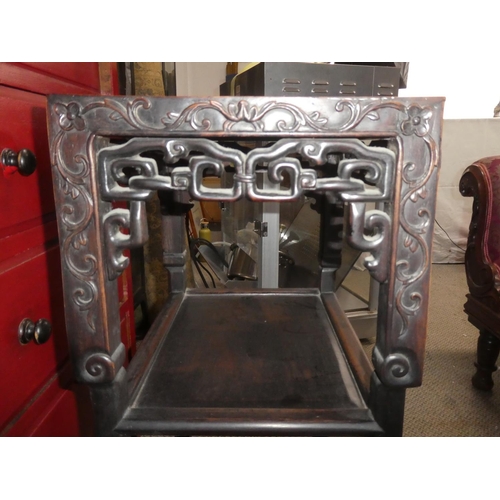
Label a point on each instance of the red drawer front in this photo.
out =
(14, 245)
(84, 74)
(127, 331)
(126, 302)
(23, 125)
(52, 78)
(63, 409)
(66, 418)
(31, 289)
(124, 283)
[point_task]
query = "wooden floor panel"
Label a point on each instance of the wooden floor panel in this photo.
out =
(250, 351)
(252, 363)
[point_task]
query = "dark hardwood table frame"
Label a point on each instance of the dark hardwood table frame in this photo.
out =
(262, 362)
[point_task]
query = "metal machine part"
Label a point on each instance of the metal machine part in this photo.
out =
(241, 266)
(317, 79)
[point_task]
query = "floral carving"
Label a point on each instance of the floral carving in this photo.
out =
(417, 122)
(408, 302)
(75, 217)
(357, 113)
(243, 111)
(70, 116)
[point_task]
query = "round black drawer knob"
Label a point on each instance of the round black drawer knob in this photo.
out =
(39, 332)
(25, 160)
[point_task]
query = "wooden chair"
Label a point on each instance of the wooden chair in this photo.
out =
(249, 362)
(481, 181)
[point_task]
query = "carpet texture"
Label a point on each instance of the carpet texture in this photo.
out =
(446, 404)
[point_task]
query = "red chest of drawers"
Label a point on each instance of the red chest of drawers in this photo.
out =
(39, 397)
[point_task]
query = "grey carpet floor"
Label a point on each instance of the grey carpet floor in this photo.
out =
(446, 404)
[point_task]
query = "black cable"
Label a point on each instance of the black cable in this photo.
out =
(197, 259)
(458, 246)
(194, 243)
(208, 272)
(201, 241)
(192, 251)
(197, 265)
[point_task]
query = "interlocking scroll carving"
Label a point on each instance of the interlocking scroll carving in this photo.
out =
(116, 241)
(285, 155)
(305, 134)
(203, 154)
(377, 243)
(209, 155)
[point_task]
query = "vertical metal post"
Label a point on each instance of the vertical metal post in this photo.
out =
(268, 265)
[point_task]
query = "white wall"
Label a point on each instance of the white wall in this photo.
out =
(472, 89)
(199, 79)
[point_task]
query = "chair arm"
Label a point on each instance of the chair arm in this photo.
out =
(482, 273)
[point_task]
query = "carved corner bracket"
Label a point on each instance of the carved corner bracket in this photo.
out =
(101, 367)
(398, 369)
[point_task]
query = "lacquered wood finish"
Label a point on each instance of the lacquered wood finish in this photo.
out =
(88, 177)
(277, 360)
(61, 408)
(25, 367)
(44, 78)
(260, 351)
(23, 125)
(358, 361)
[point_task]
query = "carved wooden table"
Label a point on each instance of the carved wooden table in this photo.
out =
(264, 362)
